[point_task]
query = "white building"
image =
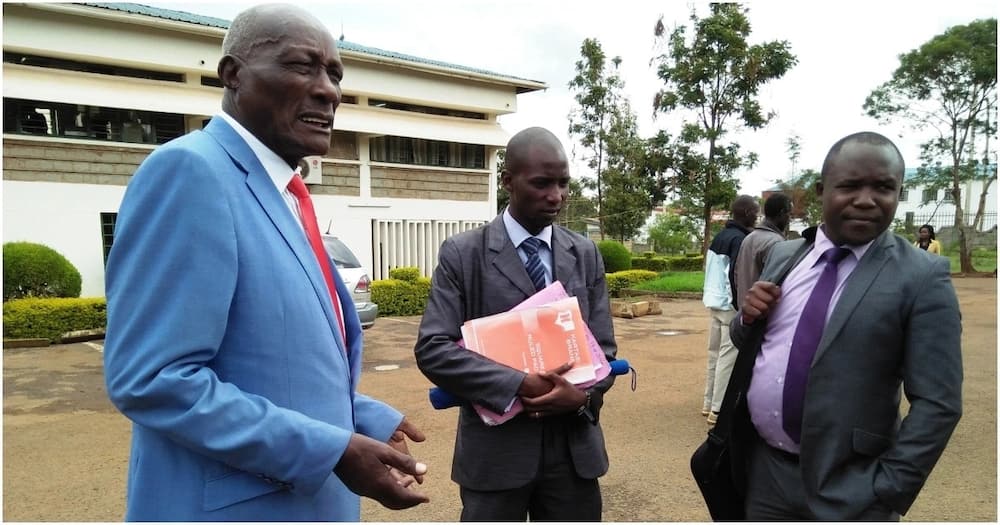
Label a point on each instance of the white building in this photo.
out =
(920, 205)
(90, 89)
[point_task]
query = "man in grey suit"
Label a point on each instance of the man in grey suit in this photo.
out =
(544, 463)
(818, 429)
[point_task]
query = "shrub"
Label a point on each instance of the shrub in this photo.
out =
(35, 270)
(624, 280)
(656, 264)
(616, 256)
(405, 273)
(399, 297)
(50, 318)
(687, 263)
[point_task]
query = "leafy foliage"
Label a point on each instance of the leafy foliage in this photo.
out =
(50, 318)
(806, 205)
(35, 270)
(398, 297)
(947, 87)
(618, 281)
(714, 76)
(596, 93)
(672, 233)
(616, 256)
(405, 273)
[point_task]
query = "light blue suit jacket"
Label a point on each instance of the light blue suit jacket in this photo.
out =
(222, 346)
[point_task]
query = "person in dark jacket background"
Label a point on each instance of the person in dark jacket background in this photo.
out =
(719, 296)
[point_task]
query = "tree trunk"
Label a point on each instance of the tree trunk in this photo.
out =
(707, 210)
(964, 250)
(977, 223)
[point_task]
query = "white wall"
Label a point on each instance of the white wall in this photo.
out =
(64, 217)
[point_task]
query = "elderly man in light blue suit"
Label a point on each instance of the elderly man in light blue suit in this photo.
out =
(224, 345)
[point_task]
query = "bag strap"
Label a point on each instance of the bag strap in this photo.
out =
(739, 380)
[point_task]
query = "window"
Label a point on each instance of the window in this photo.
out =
(107, 233)
(388, 104)
(422, 152)
(32, 117)
(904, 194)
(89, 67)
(929, 195)
(947, 196)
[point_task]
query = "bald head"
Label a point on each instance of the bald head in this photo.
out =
(745, 209)
(521, 144)
(262, 25)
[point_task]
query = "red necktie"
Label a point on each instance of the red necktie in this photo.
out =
(308, 215)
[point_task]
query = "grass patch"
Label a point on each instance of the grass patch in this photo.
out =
(675, 282)
(983, 260)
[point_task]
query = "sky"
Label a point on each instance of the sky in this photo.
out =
(845, 49)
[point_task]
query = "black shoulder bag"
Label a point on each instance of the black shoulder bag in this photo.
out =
(712, 462)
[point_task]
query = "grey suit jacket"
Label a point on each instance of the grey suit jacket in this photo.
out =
(896, 322)
(479, 273)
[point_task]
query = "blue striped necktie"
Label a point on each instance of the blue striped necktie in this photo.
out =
(534, 263)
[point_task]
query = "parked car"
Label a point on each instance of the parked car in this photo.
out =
(355, 278)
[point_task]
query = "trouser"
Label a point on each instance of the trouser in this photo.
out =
(721, 358)
(556, 494)
(775, 490)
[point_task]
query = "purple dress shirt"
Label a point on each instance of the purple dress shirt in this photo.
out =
(764, 398)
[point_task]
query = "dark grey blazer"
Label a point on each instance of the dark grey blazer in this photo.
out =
(479, 273)
(897, 322)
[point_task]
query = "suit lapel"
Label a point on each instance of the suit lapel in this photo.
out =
(504, 257)
(857, 286)
(563, 257)
(274, 206)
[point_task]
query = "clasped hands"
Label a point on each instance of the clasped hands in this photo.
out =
(549, 393)
(384, 472)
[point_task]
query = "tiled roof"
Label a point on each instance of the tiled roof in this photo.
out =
(209, 21)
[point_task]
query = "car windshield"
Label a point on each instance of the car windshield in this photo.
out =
(340, 254)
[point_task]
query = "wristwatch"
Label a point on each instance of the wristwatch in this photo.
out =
(585, 411)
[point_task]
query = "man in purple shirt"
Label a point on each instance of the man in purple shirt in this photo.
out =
(818, 435)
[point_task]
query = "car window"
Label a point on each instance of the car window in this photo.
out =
(340, 254)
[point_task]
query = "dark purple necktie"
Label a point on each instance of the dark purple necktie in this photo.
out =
(807, 335)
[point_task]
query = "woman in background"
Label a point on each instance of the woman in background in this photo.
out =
(926, 241)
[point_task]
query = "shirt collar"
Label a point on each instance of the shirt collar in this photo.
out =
(276, 168)
(823, 243)
(518, 234)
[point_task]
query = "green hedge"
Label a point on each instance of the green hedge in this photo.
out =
(399, 297)
(669, 264)
(688, 263)
(405, 273)
(35, 270)
(619, 281)
(616, 256)
(50, 318)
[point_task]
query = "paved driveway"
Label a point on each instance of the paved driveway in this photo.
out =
(66, 448)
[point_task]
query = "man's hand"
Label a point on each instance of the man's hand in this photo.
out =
(398, 442)
(535, 384)
(366, 467)
(562, 396)
(761, 297)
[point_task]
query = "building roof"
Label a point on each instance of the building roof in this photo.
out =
(343, 45)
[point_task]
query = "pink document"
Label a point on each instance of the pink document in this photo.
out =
(552, 292)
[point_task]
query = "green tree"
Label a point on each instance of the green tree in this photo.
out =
(801, 188)
(672, 233)
(578, 206)
(946, 87)
(595, 88)
(502, 196)
(631, 186)
(714, 75)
